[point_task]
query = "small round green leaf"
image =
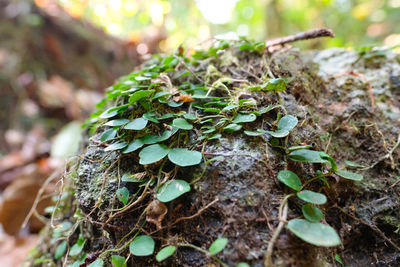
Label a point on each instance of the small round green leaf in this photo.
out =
(165, 253)
(108, 135)
(123, 195)
(137, 124)
(97, 263)
(287, 123)
(353, 164)
(317, 234)
(290, 179)
(305, 155)
(312, 213)
(278, 133)
(182, 124)
(153, 154)
(142, 246)
(109, 113)
(136, 96)
(133, 146)
(276, 85)
(243, 264)
(218, 245)
(184, 157)
(244, 118)
(116, 146)
(77, 248)
(118, 261)
(117, 122)
(349, 175)
(60, 250)
(312, 197)
(190, 116)
(233, 127)
(172, 189)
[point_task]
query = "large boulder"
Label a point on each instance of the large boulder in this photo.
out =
(250, 114)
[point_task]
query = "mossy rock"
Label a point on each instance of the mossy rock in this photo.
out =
(235, 192)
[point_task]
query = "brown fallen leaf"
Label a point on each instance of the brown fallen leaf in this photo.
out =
(14, 250)
(186, 98)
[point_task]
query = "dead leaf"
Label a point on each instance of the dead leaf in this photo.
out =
(18, 197)
(156, 212)
(14, 250)
(185, 98)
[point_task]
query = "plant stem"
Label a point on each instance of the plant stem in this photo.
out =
(282, 220)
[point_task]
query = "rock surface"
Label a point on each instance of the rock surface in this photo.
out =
(347, 104)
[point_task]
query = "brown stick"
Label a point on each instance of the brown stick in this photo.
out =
(314, 33)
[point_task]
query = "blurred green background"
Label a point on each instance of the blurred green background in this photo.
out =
(355, 22)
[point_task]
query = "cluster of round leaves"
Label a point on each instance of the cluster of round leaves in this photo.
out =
(146, 101)
(146, 91)
(144, 245)
(309, 229)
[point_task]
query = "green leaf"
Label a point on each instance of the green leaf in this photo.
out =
(133, 146)
(244, 118)
(166, 116)
(305, 155)
(256, 133)
(109, 113)
(287, 123)
(182, 124)
(215, 136)
(266, 109)
(278, 133)
(349, 175)
(130, 178)
(190, 116)
(136, 96)
(117, 122)
(212, 110)
(311, 213)
(118, 261)
(233, 127)
(293, 148)
(218, 245)
(312, 197)
(108, 135)
(314, 233)
(339, 260)
(137, 124)
(116, 146)
(97, 263)
(160, 94)
(353, 164)
(60, 250)
(331, 161)
(243, 264)
(123, 195)
(184, 157)
(142, 245)
(165, 253)
(77, 248)
(290, 179)
(276, 85)
(150, 116)
(229, 107)
(172, 189)
(153, 154)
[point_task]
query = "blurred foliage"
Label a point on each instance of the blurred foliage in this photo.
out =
(355, 22)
